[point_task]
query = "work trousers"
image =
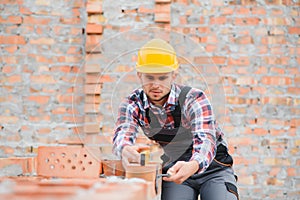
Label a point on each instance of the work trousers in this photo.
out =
(219, 185)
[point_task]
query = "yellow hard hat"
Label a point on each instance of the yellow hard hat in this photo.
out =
(156, 56)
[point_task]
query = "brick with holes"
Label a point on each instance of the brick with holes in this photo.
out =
(68, 162)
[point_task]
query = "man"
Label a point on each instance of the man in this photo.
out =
(181, 120)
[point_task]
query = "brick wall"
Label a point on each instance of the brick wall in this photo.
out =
(254, 46)
(42, 51)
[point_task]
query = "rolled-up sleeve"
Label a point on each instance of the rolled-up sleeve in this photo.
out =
(200, 115)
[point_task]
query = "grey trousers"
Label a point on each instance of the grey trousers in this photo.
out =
(219, 185)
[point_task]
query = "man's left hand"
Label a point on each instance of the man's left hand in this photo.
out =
(181, 171)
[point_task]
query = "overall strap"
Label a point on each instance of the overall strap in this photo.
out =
(183, 94)
(153, 121)
(176, 114)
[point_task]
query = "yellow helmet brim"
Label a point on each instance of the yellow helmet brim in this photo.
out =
(156, 68)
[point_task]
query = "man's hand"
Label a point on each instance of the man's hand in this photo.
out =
(130, 154)
(181, 171)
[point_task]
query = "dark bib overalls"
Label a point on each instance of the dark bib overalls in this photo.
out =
(177, 142)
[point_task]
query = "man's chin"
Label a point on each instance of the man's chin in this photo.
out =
(156, 98)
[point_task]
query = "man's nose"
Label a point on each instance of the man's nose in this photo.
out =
(155, 84)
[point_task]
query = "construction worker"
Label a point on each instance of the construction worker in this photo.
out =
(181, 120)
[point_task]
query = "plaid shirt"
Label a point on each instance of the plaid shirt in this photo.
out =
(197, 117)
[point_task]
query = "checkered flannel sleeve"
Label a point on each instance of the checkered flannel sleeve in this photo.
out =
(126, 127)
(200, 116)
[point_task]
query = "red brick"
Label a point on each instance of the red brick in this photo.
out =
(218, 20)
(277, 100)
(113, 168)
(250, 21)
(277, 11)
(69, 99)
(211, 48)
(274, 80)
(279, 2)
(12, 40)
(14, 79)
(93, 40)
(9, 151)
(26, 163)
(275, 21)
(226, 10)
(11, 20)
(145, 10)
(42, 40)
(242, 61)
(162, 8)
(94, 29)
(45, 192)
(247, 180)
(294, 30)
(44, 118)
(91, 128)
(242, 11)
(96, 19)
(70, 20)
(203, 60)
(274, 181)
(162, 17)
(72, 140)
(163, 1)
(277, 161)
(11, 49)
(291, 172)
(46, 79)
(278, 39)
(235, 100)
(294, 90)
(36, 20)
(79, 3)
(276, 70)
(39, 99)
(260, 131)
(249, 161)
(219, 60)
(259, 10)
(94, 7)
(44, 130)
(19, 2)
(94, 99)
(277, 51)
(41, 58)
(93, 68)
(92, 89)
(242, 141)
(68, 162)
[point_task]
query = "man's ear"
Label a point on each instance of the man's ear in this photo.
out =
(175, 73)
(139, 74)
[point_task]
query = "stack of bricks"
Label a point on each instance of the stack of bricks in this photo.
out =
(93, 79)
(38, 188)
(77, 172)
(55, 85)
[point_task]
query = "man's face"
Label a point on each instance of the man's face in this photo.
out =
(157, 85)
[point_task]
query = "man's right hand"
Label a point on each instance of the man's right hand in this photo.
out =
(130, 154)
